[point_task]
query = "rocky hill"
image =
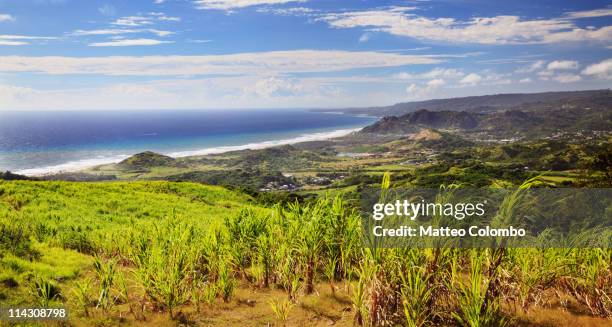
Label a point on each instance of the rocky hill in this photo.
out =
(527, 120)
(411, 122)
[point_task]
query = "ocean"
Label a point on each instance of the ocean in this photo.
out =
(38, 143)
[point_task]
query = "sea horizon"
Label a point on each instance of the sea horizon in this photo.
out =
(37, 143)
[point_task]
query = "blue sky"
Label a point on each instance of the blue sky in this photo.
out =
(165, 54)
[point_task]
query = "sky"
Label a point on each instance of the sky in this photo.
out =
(226, 54)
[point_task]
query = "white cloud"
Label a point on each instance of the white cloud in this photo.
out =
(295, 11)
(471, 79)
(567, 78)
(275, 62)
(12, 43)
(169, 18)
(6, 18)
(434, 73)
(418, 91)
(10, 93)
(131, 25)
(365, 37)
(163, 17)
(199, 41)
(562, 65)
(555, 71)
(412, 88)
(446, 73)
(160, 32)
(601, 69)
(589, 13)
(106, 31)
(120, 31)
(235, 4)
(481, 30)
(145, 19)
(488, 77)
(536, 65)
(158, 2)
(129, 42)
(558, 71)
(217, 92)
(436, 82)
(15, 40)
(265, 90)
(545, 74)
(525, 80)
(133, 21)
(275, 87)
(26, 37)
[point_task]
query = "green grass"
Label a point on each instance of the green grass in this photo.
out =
(62, 223)
(94, 206)
(391, 167)
(61, 265)
(147, 250)
(56, 263)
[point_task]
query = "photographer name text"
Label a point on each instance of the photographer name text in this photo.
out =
(430, 231)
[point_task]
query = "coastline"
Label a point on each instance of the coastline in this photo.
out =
(316, 136)
(83, 164)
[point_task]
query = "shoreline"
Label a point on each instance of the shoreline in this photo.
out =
(83, 164)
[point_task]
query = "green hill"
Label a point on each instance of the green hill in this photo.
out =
(433, 119)
(146, 160)
(533, 120)
(52, 229)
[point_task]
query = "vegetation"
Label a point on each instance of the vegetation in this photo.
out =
(189, 245)
(147, 159)
(150, 241)
(487, 103)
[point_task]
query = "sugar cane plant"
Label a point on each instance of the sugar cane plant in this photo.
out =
(172, 262)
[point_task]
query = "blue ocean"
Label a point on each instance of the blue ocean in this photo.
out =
(37, 143)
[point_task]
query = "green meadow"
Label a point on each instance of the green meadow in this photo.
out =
(53, 229)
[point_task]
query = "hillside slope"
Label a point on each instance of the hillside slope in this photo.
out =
(409, 123)
(147, 159)
(478, 103)
(541, 119)
(52, 229)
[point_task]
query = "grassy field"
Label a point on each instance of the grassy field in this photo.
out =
(164, 253)
(52, 229)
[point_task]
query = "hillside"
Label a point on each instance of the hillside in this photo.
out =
(245, 169)
(246, 179)
(275, 158)
(167, 254)
(63, 207)
(52, 229)
(536, 120)
(477, 103)
(400, 143)
(147, 159)
(432, 119)
(440, 141)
